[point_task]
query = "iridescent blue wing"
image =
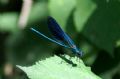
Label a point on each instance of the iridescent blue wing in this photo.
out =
(60, 37)
(58, 33)
(57, 42)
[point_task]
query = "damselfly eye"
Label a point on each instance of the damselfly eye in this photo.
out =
(81, 53)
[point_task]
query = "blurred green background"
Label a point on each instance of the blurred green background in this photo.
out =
(94, 25)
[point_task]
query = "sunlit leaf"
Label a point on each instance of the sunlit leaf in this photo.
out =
(56, 70)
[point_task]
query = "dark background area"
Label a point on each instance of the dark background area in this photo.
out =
(94, 25)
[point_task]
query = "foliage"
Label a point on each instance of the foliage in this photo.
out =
(93, 25)
(56, 70)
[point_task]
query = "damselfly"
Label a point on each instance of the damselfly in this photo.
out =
(60, 37)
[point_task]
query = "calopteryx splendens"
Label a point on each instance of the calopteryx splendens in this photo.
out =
(60, 37)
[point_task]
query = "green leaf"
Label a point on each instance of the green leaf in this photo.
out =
(83, 11)
(111, 73)
(89, 53)
(22, 48)
(61, 10)
(52, 68)
(118, 43)
(8, 22)
(103, 29)
(38, 11)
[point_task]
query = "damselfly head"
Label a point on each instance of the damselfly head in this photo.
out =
(78, 52)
